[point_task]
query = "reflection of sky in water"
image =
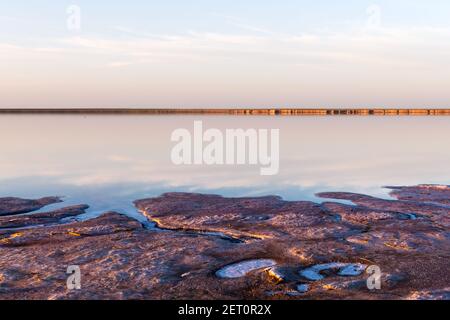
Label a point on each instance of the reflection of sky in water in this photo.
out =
(109, 161)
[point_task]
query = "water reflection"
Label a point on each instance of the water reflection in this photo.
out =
(109, 161)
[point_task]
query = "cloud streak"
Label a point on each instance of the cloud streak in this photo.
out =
(381, 46)
(387, 59)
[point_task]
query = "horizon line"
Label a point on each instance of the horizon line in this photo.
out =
(236, 111)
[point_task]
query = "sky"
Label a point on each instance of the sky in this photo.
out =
(219, 53)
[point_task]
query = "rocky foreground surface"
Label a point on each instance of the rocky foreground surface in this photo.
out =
(210, 247)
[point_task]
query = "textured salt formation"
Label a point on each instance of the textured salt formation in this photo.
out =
(12, 206)
(443, 294)
(40, 219)
(249, 218)
(241, 269)
(120, 259)
(423, 193)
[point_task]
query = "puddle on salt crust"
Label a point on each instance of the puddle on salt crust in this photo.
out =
(345, 269)
(240, 269)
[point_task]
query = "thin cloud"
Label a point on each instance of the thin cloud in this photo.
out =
(358, 45)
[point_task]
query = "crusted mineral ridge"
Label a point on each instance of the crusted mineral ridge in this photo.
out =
(253, 218)
(40, 219)
(11, 206)
(120, 259)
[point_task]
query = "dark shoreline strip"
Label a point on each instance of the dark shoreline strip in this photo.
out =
(262, 112)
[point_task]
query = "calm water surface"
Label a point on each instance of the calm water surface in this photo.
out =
(109, 161)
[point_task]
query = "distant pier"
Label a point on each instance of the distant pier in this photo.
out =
(231, 111)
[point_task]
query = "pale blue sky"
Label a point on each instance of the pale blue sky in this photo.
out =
(221, 53)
